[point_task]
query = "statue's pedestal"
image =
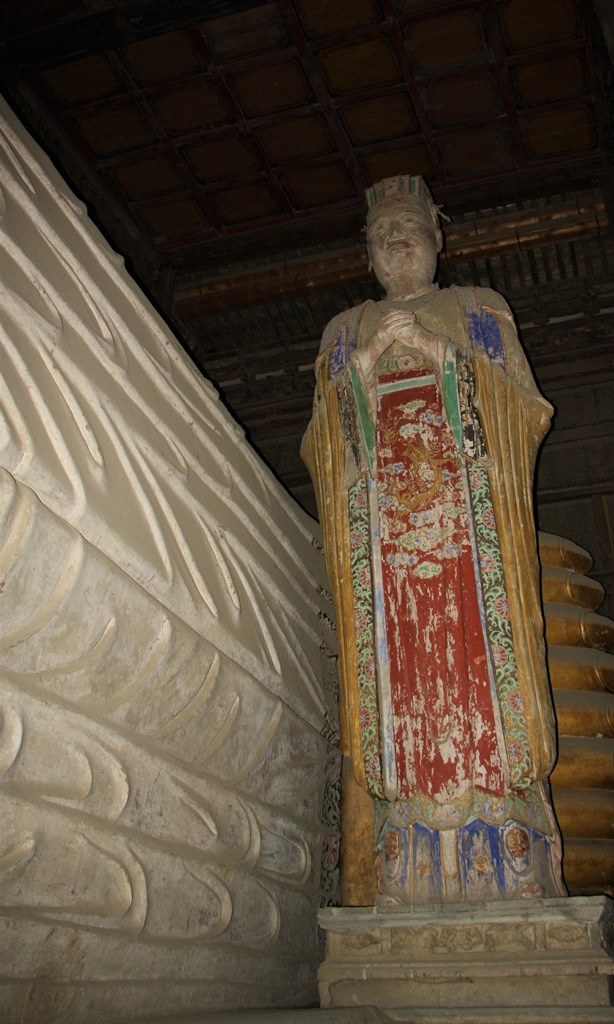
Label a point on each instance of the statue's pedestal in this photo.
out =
(511, 961)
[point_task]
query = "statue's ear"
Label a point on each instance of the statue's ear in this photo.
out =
(439, 240)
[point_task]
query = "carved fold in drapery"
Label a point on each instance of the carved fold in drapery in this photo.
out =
(165, 726)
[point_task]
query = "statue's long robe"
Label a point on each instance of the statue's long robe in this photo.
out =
(424, 491)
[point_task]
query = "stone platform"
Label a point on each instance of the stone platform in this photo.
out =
(353, 1015)
(546, 960)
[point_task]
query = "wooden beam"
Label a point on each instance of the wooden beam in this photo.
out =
(488, 236)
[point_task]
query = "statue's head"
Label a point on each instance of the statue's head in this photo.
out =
(403, 234)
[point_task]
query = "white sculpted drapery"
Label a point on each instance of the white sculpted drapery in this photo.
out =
(162, 755)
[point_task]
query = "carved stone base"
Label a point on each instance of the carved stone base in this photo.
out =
(486, 962)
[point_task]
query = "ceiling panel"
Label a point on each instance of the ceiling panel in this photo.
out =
(245, 33)
(468, 96)
(554, 79)
(82, 80)
(296, 138)
(556, 131)
(160, 58)
(317, 186)
(358, 66)
(476, 150)
(529, 24)
(115, 129)
(213, 158)
(270, 87)
(170, 220)
(323, 18)
(383, 163)
(448, 40)
(387, 117)
(148, 177)
(191, 107)
(245, 202)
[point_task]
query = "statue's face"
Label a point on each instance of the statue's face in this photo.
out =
(403, 249)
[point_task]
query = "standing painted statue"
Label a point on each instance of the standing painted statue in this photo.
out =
(422, 444)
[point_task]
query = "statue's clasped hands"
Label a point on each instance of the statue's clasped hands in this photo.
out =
(402, 326)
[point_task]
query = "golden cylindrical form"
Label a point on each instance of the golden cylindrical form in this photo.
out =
(582, 676)
(586, 812)
(585, 761)
(560, 585)
(589, 864)
(559, 551)
(577, 627)
(580, 713)
(580, 668)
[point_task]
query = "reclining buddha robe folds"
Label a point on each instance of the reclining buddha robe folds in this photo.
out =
(423, 477)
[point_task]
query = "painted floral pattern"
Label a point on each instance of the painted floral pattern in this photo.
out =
(500, 629)
(526, 805)
(360, 561)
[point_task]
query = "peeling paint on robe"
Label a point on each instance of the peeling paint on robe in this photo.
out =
(424, 493)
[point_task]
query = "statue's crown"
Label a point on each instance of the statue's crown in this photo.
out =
(400, 190)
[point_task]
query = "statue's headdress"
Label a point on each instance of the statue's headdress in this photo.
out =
(403, 190)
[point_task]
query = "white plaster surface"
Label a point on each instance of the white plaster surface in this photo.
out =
(161, 627)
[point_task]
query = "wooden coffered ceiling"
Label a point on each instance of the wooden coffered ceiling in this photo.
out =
(224, 146)
(212, 123)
